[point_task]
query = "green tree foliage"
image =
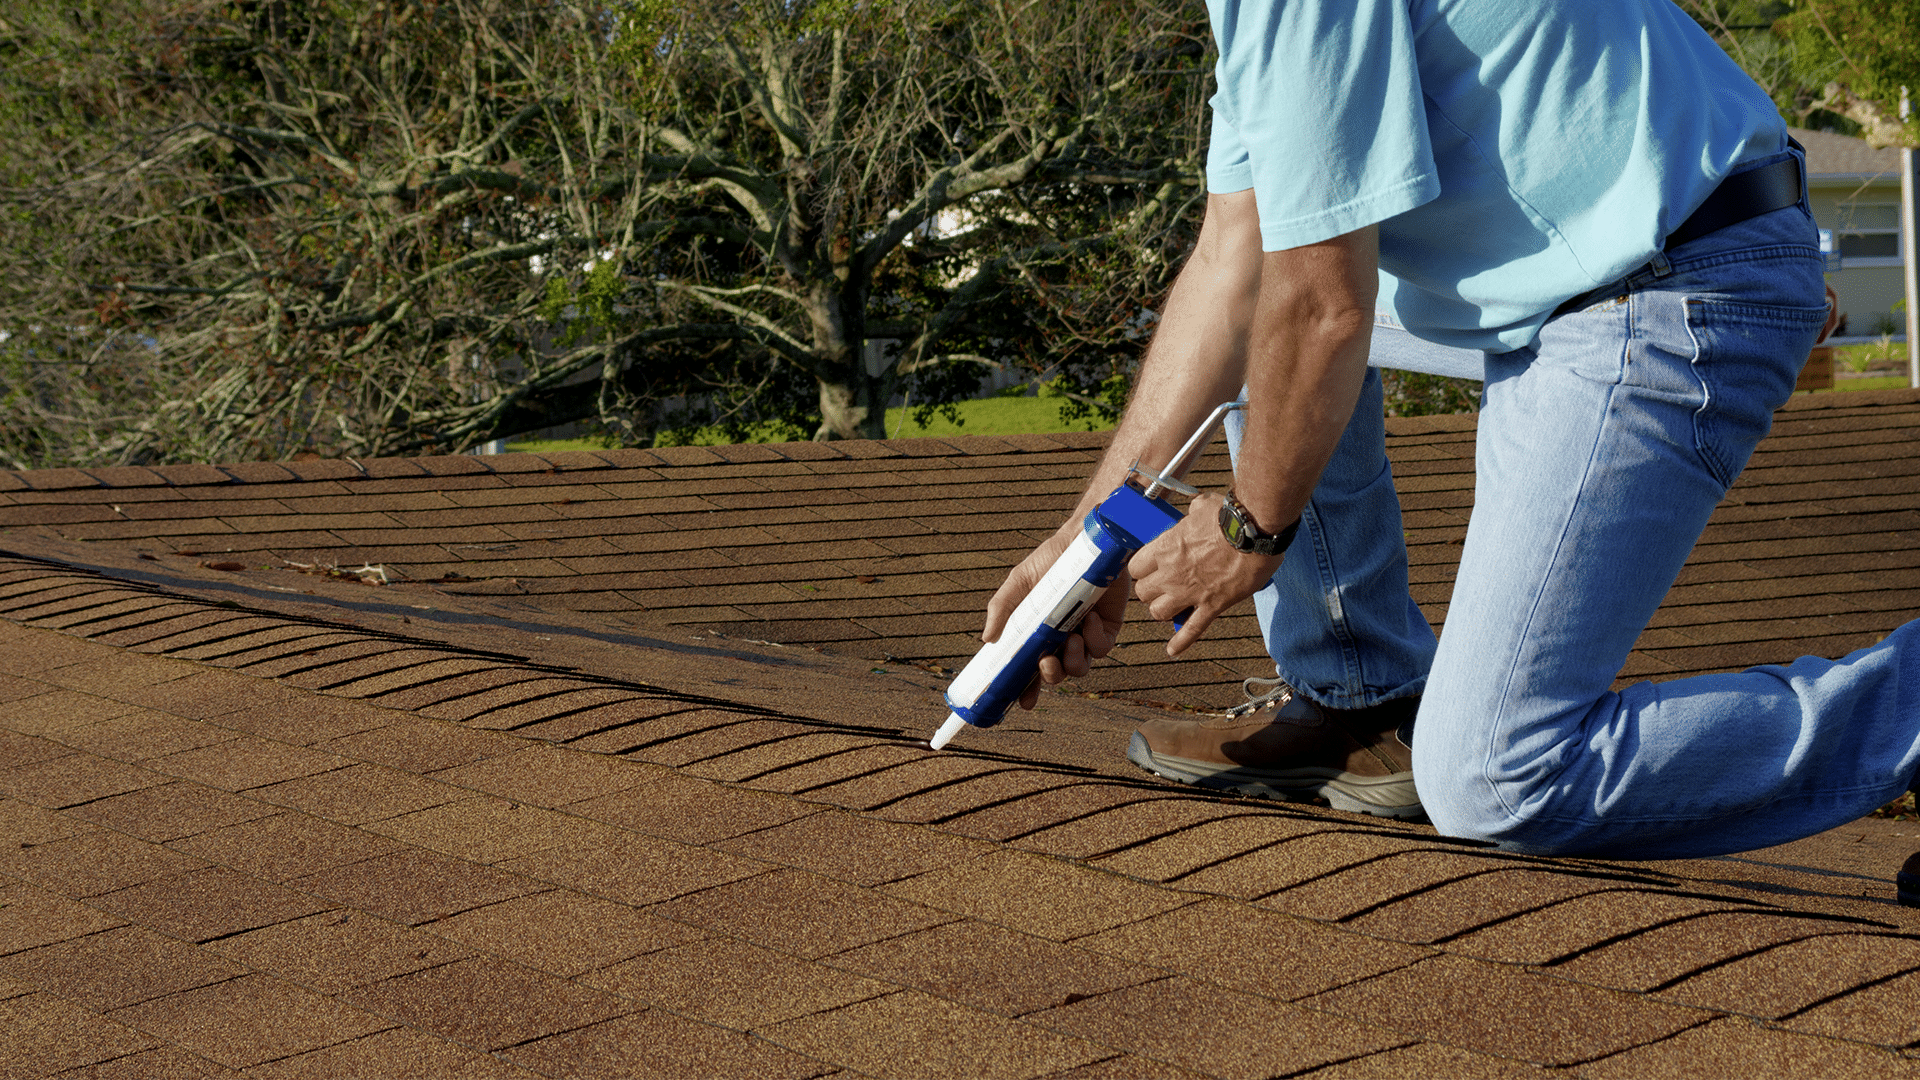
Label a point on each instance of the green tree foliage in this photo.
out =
(248, 229)
(893, 195)
(1829, 64)
(244, 230)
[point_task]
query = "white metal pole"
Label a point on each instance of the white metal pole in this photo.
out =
(1909, 255)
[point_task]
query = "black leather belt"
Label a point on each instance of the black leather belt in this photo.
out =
(1739, 197)
(1742, 196)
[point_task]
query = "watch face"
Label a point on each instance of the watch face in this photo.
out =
(1232, 525)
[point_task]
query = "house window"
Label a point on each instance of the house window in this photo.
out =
(1869, 234)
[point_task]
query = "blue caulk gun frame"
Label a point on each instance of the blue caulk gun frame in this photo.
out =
(1123, 523)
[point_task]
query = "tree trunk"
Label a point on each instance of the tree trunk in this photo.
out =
(854, 407)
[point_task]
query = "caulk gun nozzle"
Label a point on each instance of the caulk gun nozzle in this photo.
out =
(947, 731)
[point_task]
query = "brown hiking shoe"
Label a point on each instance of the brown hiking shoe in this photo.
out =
(1282, 746)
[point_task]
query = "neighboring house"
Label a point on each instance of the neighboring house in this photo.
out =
(1855, 191)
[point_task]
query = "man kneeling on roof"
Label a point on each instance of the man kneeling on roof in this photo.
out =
(1587, 205)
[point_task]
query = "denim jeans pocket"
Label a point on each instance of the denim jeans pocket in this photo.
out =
(1747, 358)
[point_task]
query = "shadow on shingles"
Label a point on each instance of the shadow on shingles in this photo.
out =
(161, 579)
(1776, 889)
(1799, 869)
(149, 583)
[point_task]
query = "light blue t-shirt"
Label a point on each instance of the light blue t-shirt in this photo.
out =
(1514, 154)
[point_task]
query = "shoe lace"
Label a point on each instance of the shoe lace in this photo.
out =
(1261, 693)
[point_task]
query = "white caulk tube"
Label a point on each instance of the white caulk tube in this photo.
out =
(1122, 524)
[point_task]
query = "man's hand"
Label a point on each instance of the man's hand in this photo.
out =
(1097, 632)
(1191, 567)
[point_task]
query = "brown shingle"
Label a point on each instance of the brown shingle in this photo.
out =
(118, 671)
(1293, 862)
(1566, 929)
(1778, 981)
(1048, 808)
(1253, 951)
(550, 777)
(394, 1054)
(1204, 1029)
(483, 829)
(35, 918)
(883, 775)
(728, 734)
(335, 951)
(1125, 826)
(171, 811)
(358, 794)
(631, 868)
(1462, 906)
(118, 967)
(691, 811)
(160, 1063)
(310, 721)
(1172, 841)
(1430, 1059)
(968, 796)
(753, 762)
(992, 969)
(422, 746)
(654, 1044)
(1736, 1047)
(285, 846)
(913, 1035)
(27, 825)
(415, 887)
(488, 1003)
(206, 904)
(1498, 1010)
(1882, 1013)
(206, 694)
(41, 1035)
(855, 849)
(1667, 954)
(93, 862)
(734, 984)
(250, 1020)
(565, 933)
(142, 734)
(800, 913)
(56, 712)
(73, 780)
(1043, 897)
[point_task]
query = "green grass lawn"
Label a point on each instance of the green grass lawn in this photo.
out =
(1041, 415)
(987, 416)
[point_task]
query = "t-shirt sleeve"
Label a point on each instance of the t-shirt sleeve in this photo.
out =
(1322, 99)
(1229, 169)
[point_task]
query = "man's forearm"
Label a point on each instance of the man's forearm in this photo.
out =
(1306, 360)
(1199, 354)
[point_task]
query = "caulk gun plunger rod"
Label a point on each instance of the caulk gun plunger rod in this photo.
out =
(1201, 437)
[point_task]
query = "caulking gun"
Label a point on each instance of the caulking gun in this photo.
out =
(1123, 523)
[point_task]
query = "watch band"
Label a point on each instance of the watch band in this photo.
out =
(1243, 534)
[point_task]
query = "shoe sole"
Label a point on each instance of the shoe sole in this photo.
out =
(1382, 796)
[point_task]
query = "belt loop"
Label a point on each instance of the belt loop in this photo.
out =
(1659, 265)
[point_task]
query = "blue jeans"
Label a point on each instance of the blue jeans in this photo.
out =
(1602, 450)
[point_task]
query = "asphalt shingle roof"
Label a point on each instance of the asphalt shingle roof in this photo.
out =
(623, 774)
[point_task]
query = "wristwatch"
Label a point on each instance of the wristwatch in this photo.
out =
(1237, 525)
